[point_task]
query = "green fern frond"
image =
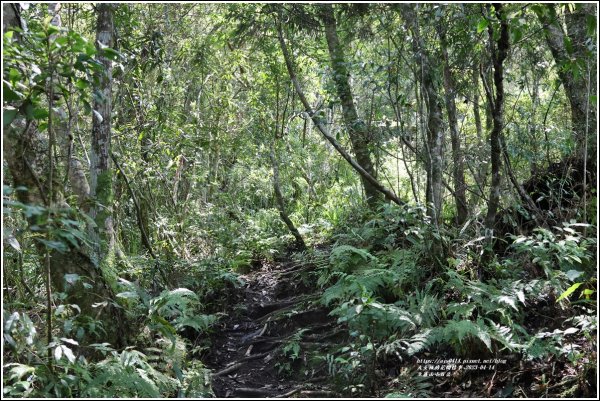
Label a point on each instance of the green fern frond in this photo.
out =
(347, 257)
(503, 335)
(410, 384)
(425, 308)
(366, 282)
(200, 323)
(455, 332)
(129, 375)
(419, 342)
(460, 310)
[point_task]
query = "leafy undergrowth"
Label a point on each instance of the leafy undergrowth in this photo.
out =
(533, 318)
(392, 307)
(156, 364)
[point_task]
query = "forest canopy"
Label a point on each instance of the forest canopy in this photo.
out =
(299, 200)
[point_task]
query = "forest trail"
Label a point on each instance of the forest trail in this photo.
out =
(260, 350)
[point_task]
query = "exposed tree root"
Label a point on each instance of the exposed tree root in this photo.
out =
(252, 392)
(236, 365)
(266, 322)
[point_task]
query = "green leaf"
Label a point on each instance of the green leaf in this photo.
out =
(69, 340)
(29, 109)
(18, 371)
(71, 278)
(508, 301)
(52, 30)
(588, 293)
(591, 25)
(9, 115)
(482, 25)
(568, 44)
(40, 113)
(58, 353)
(12, 241)
(127, 294)
(14, 75)
(521, 296)
(183, 292)
(63, 40)
(516, 34)
(571, 330)
(111, 54)
(569, 291)
(483, 335)
(11, 95)
(98, 116)
(59, 246)
(82, 84)
(573, 274)
(68, 353)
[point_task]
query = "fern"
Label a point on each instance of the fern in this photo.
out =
(347, 257)
(504, 335)
(410, 346)
(176, 309)
(460, 310)
(168, 356)
(411, 384)
(127, 374)
(196, 382)
(199, 323)
(455, 332)
(424, 307)
(365, 282)
(419, 342)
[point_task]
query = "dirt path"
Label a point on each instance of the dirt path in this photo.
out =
(263, 349)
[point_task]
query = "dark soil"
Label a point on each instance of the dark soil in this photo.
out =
(252, 353)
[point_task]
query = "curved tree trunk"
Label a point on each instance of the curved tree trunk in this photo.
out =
(300, 244)
(317, 120)
(360, 137)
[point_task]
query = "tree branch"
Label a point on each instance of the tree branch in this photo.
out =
(319, 124)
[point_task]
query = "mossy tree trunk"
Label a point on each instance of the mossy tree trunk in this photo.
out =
(25, 151)
(319, 122)
(499, 53)
(434, 143)
(458, 170)
(101, 175)
(575, 64)
(360, 137)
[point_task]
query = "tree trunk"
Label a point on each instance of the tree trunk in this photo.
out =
(476, 110)
(458, 170)
(24, 151)
(565, 46)
(499, 54)
(101, 185)
(435, 133)
(480, 173)
(300, 244)
(317, 120)
(360, 137)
